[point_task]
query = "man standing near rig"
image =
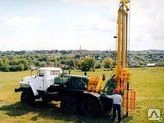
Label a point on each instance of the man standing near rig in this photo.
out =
(117, 99)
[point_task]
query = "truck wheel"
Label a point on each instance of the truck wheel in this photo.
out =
(68, 105)
(89, 107)
(27, 97)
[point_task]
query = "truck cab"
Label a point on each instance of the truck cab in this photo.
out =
(45, 77)
(32, 85)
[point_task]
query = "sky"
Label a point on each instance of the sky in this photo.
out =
(71, 24)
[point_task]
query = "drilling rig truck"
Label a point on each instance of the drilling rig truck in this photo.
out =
(82, 93)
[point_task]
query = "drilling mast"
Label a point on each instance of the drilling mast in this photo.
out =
(121, 68)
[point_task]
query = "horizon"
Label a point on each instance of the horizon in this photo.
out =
(75, 50)
(69, 24)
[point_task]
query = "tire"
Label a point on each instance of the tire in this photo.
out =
(27, 97)
(68, 105)
(89, 107)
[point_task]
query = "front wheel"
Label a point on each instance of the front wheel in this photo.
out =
(27, 97)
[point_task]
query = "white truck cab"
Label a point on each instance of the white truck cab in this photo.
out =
(44, 78)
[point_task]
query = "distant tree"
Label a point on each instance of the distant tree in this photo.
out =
(141, 63)
(19, 67)
(57, 62)
(6, 61)
(64, 52)
(77, 56)
(5, 66)
(77, 63)
(87, 63)
(24, 64)
(69, 62)
(13, 67)
(160, 64)
(42, 64)
(36, 63)
(108, 62)
(1, 63)
(97, 64)
(50, 64)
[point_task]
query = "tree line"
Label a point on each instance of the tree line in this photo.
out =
(79, 59)
(21, 63)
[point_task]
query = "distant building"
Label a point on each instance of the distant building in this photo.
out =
(151, 65)
(80, 48)
(99, 58)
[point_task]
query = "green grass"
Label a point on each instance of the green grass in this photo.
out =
(148, 83)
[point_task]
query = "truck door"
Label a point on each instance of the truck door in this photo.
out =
(49, 79)
(40, 80)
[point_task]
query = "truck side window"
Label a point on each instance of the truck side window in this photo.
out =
(54, 72)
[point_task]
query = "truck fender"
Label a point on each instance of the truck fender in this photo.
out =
(35, 92)
(92, 94)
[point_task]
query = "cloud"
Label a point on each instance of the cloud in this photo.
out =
(18, 20)
(146, 24)
(147, 19)
(104, 3)
(94, 22)
(17, 32)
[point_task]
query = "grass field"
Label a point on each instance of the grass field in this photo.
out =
(148, 83)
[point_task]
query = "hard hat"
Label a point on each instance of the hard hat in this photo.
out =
(116, 91)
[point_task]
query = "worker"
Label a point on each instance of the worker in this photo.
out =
(103, 77)
(117, 99)
(69, 71)
(85, 73)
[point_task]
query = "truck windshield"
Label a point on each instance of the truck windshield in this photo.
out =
(40, 73)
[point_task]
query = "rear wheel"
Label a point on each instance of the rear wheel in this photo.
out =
(89, 107)
(27, 97)
(68, 105)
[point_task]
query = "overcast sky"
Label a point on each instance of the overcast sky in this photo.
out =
(69, 24)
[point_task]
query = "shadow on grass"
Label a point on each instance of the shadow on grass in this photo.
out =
(50, 111)
(127, 119)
